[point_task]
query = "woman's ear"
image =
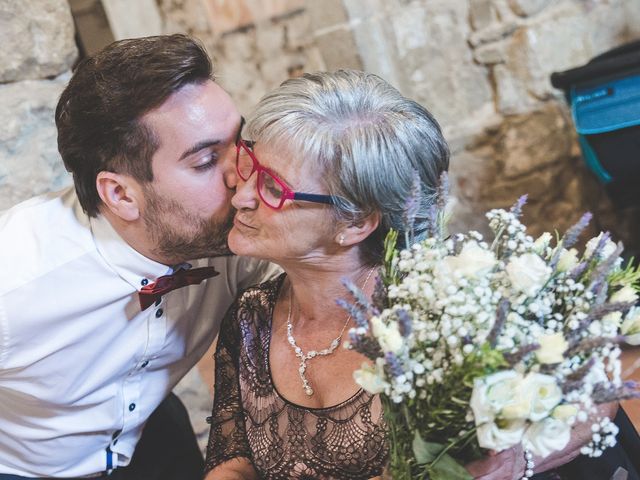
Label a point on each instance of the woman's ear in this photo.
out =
(120, 194)
(358, 232)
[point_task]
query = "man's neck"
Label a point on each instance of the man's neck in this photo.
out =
(134, 234)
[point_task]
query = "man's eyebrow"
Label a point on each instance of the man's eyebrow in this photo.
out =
(199, 146)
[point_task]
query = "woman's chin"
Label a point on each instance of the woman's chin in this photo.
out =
(239, 244)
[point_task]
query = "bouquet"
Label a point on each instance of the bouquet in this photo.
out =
(478, 345)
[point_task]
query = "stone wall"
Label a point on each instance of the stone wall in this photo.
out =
(481, 66)
(37, 52)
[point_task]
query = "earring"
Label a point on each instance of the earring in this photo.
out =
(341, 239)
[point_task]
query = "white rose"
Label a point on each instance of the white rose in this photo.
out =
(625, 295)
(388, 336)
(547, 436)
(371, 377)
(473, 261)
(606, 252)
(552, 348)
(492, 393)
(568, 259)
(542, 242)
(614, 319)
(499, 438)
(528, 273)
(631, 326)
(565, 412)
(546, 394)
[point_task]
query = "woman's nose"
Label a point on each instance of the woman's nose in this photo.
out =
(246, 196)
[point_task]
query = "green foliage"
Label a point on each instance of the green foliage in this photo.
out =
(390, 273)
(446, 468)
(628, 275)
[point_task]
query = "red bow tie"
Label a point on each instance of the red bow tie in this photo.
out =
(163, 285)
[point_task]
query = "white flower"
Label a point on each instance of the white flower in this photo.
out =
(492, 393)
(552, 348)
(631, 326)
(499, 438)
(371, 377)
(568, 259)
(473, 261)
(528, 273)
(626, 294)
(565, 412)
(614, 319)
(546, 394)
(547, 436)
(388, 336)
(609, 247)
(542, 242)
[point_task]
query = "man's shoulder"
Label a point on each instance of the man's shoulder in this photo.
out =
(245, 271)
(40, 233)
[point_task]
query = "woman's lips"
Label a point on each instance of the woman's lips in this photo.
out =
(240, 224)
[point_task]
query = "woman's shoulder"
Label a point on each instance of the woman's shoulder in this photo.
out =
(261, 296)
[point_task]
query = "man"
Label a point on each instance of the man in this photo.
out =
(91, 341)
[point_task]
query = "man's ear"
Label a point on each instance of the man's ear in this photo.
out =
(357, 232)
(120, 194)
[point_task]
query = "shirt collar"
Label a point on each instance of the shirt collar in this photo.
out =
(130, 265)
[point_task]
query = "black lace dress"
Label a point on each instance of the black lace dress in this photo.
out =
(283, 440)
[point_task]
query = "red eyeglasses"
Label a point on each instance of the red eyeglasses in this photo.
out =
(272, 191)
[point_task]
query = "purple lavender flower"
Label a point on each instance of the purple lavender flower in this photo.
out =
(578, 270)
(365, 345)
(501, 317)
(517, 356)
(355, 311)
(609, 393)
(572, 235)
(379, 297)
(570, 238)
(516, 209)
(393, 364)
(404, 322)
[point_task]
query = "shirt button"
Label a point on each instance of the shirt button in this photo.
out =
(158, 301)
(144, 364)
(159, 313)
(132, 407)
(144, 281)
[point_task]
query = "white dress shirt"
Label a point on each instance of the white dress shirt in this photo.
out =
(81, 367)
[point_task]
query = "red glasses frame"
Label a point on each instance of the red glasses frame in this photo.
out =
(287, 193)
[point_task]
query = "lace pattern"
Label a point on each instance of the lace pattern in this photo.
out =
(283, 440)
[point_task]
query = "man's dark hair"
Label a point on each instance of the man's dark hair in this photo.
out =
(99, 112)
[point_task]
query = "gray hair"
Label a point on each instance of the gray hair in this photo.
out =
(368, 140)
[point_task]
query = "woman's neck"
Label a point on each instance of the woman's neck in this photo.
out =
(315, 291)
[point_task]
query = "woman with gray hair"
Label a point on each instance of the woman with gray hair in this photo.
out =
(331, 164)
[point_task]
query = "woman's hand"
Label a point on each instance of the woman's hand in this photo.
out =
(508, 464)
(235, 469)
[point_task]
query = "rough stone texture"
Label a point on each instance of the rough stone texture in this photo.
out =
(257, 57)
(528, 7)
(37, 39)
(29, 159)
(425, 54)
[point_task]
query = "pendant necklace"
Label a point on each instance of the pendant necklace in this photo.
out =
(304, 357)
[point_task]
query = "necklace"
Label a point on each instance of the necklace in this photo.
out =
(304, 357)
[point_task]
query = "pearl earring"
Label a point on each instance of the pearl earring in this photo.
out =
(341, 239)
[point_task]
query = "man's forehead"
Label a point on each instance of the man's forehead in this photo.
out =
(193, 111)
